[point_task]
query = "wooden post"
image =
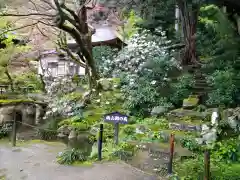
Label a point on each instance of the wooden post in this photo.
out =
(14, 130)
(116, 130)
(171, 154)
(100, 138)
(207, 165)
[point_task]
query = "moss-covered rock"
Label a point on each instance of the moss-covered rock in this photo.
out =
(159, 111)
(109, 83)
(190, 102)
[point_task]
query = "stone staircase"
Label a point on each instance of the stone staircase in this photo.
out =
(154, 157)
(201, 87)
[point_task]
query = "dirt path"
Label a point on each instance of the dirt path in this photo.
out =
(37, 162)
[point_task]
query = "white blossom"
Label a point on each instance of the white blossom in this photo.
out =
(153, 82)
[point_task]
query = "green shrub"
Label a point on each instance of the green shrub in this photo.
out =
(79, 126)
(3, 96)
(182, 88)
(3, 133)
(74, 96)
(108, 131)
(70, 156)
(76, 123)
(48, 131)
(226, 172)
(226, 150)
(225, 88)
(80, 80)
(193, 169)
(191, 145)
(124, 151)
(129, 130)
(30, 79)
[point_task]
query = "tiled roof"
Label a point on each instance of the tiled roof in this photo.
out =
(105, 22)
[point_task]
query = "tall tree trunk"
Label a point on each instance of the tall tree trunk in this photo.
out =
(80, 32)
(43, 83)
(238, 23)
(10, 80)
(87, 38)
(189, 18)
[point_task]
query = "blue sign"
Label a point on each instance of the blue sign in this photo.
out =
(116, 117)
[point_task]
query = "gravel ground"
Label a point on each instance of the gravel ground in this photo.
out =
(38, 162)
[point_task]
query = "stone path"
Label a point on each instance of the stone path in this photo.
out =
(37, 162)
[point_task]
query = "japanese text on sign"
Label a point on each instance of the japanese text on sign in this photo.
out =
(116, 118)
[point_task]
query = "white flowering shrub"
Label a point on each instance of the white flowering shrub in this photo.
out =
(102, 56)
(144, 67)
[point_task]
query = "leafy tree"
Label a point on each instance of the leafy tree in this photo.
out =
(60, 14)
(9, 51)
(218, 48)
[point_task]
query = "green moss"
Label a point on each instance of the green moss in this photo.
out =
(116, 81)
(3, 177)
(128, 129)
(83, 164)
(17, 101)
(80, 126)
(190, 120)
(65, 122)
(5, 141)
(74, 96)
(31, 142)
(14, 101)
(156, 123)
(92, 119)
(191, 101)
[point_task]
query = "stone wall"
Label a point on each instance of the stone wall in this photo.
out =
(29, 113)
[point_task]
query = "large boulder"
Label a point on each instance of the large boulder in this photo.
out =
(159, 111)
(108, 83)
(6, 114)
(233, 118)
(208, 135)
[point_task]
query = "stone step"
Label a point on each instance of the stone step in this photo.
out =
(204, 83)
(184, 127)
(175, 115)
(178, 135)
(200, 77)
(205, 88)
(163, 153)
(199, 73)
